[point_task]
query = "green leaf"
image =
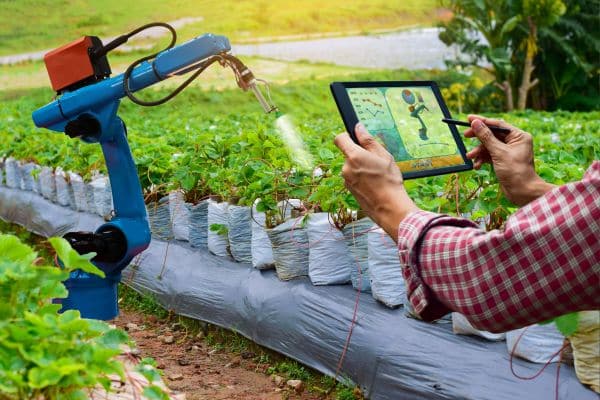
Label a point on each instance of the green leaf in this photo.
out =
(220, 229)
(12, 249)
(73, 260)
(43, 377)
(155, 393)
(510, 25)
(326, 154)
(567, 324)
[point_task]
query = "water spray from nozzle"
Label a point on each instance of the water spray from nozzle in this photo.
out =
(284, 125)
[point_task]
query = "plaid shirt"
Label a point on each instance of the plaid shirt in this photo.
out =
(544, 263)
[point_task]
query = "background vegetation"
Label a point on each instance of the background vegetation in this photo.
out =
(30, 25)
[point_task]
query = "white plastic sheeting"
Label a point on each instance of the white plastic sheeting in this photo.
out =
(47, 184)
(461, 326)
(240, 233)
(328, 260)
(389, 356)
(102, 195)
(159, 218)
(77, 186)
(536, 343)
(290, 249)
(28, 181)
(180, 215)
(357, 241)
(63, 197)
(262, 251)
(218, 242)
(199, 225)
(387, 283)
(12, 173)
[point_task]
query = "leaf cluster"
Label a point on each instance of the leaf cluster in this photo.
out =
(44, 354)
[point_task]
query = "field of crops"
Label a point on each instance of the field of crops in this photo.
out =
(218, 143)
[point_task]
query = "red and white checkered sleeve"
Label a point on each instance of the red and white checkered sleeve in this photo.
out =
(544, 263)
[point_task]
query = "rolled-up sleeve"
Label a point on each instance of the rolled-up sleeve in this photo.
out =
(544, 263)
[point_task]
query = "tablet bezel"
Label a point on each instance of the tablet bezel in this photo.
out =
(340, 95)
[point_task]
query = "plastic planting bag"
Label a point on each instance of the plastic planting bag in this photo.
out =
(387, 284)
(102, 196)
(356, 236)
(461, 326)
(586, 349)
(89, 197)
(63, 197)
(240, 234)
(159, 218)
(48, 184)
(290, 249)
(218, 242)
(180, 215)
(536, 343)
(262, 251)
(28, 181)
(13, 173)
(199, 225)
(78, 192)
(329, 262)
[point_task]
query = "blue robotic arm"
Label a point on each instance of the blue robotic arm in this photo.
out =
(90, 113)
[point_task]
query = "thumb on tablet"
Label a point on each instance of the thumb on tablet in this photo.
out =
(345, 144)
(368, 142)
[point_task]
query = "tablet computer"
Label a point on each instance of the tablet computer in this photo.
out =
(406, 117)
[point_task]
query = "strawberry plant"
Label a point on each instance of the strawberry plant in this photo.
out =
(44, 354)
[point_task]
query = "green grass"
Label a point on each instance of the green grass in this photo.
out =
(30, 25)
(144, 303)
(33, 74)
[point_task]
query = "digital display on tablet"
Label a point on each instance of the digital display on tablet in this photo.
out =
(406, 118)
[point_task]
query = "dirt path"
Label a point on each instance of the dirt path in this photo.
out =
(191, 366)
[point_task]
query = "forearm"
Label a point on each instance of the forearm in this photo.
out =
(389, 214)
(529, 191)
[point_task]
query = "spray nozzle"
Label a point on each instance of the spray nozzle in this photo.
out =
(246, 80)
(268, 106)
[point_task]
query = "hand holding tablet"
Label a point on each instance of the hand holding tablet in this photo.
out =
(406, 118)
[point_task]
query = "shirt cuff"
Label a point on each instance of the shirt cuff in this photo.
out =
(411, 232)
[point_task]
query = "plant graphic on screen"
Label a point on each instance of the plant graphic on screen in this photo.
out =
(416, 105)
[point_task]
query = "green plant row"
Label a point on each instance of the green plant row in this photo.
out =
(220, 144)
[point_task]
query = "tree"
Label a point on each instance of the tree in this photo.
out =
(536, 14)
(503, 34)
(568, 68)
(482, 30)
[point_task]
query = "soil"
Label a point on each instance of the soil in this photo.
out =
(193, 367)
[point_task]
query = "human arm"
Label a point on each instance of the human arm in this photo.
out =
(544, 263)
(373, 177)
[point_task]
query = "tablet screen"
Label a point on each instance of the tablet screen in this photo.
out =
(407, 120)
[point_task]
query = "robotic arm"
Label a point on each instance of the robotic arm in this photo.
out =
(87, 109)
